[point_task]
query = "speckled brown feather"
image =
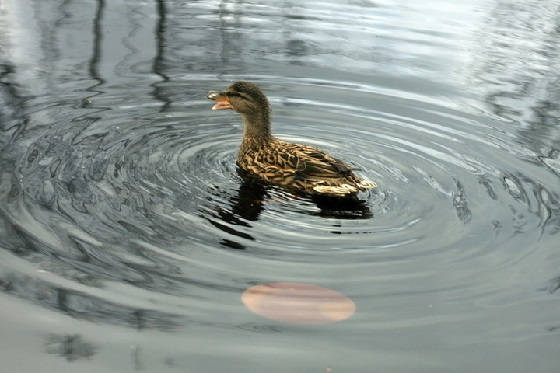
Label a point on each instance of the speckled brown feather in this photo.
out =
(300, 167)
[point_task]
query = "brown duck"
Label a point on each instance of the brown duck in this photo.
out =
(300, 168)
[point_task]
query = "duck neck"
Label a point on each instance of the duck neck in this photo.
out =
(256, 128)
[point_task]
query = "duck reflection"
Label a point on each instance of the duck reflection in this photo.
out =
(342, 208)
(248, 203)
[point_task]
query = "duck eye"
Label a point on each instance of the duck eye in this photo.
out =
(238, 94)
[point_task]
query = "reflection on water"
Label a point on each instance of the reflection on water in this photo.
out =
(518, 78)
(72, 347)
(247, 205)
(83, 305)
(125, 229)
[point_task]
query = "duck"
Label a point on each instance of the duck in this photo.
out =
(299, 168)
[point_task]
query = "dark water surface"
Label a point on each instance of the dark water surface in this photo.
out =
(127, 237)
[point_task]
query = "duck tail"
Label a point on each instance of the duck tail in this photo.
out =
(366, 184)
(336, 191)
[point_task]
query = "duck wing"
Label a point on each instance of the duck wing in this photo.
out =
(302, 167)
(314, 164)
(302, 162)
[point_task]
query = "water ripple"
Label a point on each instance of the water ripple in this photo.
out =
(121, 204)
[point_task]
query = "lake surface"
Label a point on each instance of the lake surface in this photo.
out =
(127, 236)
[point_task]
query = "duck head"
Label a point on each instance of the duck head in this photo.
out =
(243, 97)
(248, 100)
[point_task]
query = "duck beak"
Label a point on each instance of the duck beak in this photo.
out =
(222, 102)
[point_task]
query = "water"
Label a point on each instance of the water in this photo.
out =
(127, 237)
